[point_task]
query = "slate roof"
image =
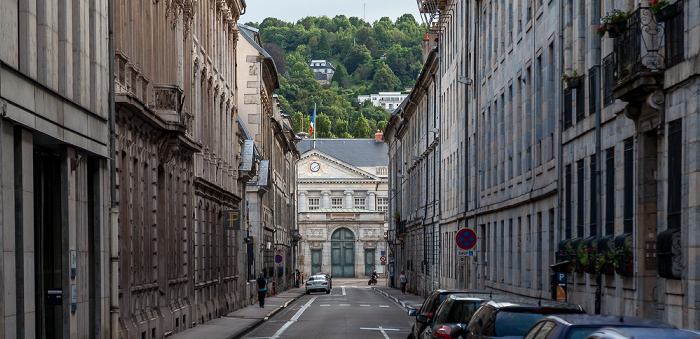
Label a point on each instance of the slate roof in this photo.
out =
(356, 152)
(249, 34)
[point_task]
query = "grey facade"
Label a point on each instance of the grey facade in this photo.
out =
(54, 178)
(536, 165)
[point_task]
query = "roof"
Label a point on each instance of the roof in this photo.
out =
(356, 152)
(324, 64)
(249, 34)
(342, 210)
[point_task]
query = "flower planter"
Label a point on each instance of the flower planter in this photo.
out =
(667, 12)
(573, 82)
(617, 28)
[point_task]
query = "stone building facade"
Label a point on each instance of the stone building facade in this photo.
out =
(537, 166)
(271, 191)
(343, 207)
(54, 173)
(177, 164)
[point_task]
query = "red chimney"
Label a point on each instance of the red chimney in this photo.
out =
(378, 135)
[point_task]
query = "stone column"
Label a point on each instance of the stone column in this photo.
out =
(326, 199)
(303, 203)
(372, 201)
(349, 202)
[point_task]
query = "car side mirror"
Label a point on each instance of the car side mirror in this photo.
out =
(457, 331)
(422, 319)
(412, 312)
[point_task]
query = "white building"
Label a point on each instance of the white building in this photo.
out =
(390, 101)
(343, 203)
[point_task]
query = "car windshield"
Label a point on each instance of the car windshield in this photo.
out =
(581, 332)
(317, 277)
(515, 323)
(462, 310)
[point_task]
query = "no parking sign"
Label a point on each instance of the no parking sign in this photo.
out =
(466, 240)
(278, 259)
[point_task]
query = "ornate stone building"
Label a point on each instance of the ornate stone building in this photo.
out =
(54, 177)
(271, 192)
(536, 166)
(343, 206)
(178, 158)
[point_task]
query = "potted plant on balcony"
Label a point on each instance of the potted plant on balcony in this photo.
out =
(614, 23)
(663, 10)
(572, 80)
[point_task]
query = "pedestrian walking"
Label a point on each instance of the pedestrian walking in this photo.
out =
(262, 289)
(402, 278)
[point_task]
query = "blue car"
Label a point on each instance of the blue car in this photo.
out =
(580, 326)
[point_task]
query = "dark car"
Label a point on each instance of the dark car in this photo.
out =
(579, 326)
(513, 318)
(456, 309)
(643, 333)
(427, 310)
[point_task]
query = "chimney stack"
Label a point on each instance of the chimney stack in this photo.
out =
(378, 136)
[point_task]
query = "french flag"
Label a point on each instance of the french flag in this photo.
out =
(313, 120)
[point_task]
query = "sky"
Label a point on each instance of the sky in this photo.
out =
(293, 10)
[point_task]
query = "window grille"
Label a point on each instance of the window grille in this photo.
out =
(314, 203)
(336, 202)
(360, 203)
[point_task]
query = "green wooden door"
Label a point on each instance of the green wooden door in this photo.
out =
(343, 253)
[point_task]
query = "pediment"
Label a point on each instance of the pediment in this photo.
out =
(329, 168)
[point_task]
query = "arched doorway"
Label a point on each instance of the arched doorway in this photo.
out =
(343, 253)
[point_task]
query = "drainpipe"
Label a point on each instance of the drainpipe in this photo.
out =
(114, 209)
(560, 95)
(595, 56)
(477, 81)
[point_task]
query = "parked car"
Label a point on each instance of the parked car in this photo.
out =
(642, 333)
(513, 318)
(317, 283)
(455, 309)
(328, 277)
(579, 326)
(427, 310)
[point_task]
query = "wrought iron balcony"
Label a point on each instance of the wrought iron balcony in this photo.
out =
(642, 52)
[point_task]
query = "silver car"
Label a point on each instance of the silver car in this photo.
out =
(318, 283)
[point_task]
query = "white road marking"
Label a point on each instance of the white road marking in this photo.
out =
(293, 320)
(383, 305)
(324, 305)
(364, 305)
(344, 305)
(343, 290)
(380, 329)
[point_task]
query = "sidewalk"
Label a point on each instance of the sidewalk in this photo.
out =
(407, 300)
(240, 322)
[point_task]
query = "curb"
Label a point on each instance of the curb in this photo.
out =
(396, 300)
(263, 320)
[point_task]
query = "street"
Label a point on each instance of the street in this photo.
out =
(352, 310)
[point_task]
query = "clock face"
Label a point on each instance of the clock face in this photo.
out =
(315, 166)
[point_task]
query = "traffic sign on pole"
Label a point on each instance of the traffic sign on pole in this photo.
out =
(466, 239)
(278, 258)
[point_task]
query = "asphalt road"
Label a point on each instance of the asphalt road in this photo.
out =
(352, 310)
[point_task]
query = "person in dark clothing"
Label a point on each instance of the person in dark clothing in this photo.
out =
(262, 289)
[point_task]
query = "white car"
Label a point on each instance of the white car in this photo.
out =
(318, 283)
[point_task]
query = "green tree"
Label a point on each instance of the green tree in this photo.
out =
(341, 76)
(323, 124)
(323, 50)
(357, 56)
(361, 128)
(341, 129)
(297, 119)
(381, 125)
(301, 70)
(385, 80)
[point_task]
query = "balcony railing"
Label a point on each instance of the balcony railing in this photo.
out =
(637, 48)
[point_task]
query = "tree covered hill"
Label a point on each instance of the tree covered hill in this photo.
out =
(368, 58)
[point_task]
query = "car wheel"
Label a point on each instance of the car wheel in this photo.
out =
(410, 336)
(328, 291)
(307, 292)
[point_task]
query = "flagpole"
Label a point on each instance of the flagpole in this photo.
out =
(314, 126)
